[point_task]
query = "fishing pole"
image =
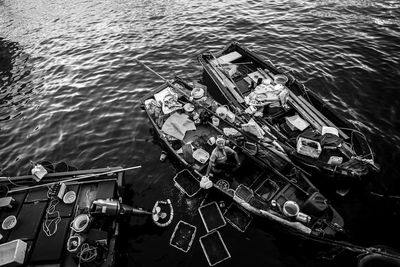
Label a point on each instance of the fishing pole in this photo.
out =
(80, 177)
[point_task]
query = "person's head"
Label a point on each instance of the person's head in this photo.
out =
(220, 142)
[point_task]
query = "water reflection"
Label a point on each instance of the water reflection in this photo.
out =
(70, 90)
(15, 89)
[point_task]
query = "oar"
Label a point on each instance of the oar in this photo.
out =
(210, 111)
(73, 179)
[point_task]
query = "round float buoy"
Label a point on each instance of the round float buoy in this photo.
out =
(163, 213)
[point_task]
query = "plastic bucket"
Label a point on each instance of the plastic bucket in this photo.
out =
(291, 209)
(215, 121)
(230, 116)
(222, 111)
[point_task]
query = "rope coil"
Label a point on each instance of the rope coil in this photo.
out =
(51, 209)
(87, 253)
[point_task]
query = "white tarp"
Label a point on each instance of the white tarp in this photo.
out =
(177, 125)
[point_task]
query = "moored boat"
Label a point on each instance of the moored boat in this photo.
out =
(262, 183)
(311, 133)
(64, 216)
(51, 223)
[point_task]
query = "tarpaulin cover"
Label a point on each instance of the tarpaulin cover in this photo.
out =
(177, 125)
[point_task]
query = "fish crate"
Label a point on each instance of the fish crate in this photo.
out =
(244, 193)
(183, 236)
(237, 217)
(187, 183)
(214, 248)
(211, 216)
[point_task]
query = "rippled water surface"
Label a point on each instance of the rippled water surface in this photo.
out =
(70, 90)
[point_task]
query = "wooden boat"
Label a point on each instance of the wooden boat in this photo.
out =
(379, 256)
(311, 133)
(54, 229)
(256, 185)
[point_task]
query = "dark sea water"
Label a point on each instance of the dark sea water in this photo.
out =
(70, 91)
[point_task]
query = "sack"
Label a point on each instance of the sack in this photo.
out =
(205, 182)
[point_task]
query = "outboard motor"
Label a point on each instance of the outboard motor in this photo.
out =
(161, 214)
(113, 207)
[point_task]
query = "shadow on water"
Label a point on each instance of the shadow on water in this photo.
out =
(14, 91)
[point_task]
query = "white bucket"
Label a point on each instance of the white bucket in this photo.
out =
(291, 209)
(215, 121)
(80, 223)
(230, 116)
(211, 141)
(222, 111)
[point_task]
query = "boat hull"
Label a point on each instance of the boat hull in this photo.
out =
(358, 166)
(259, 209)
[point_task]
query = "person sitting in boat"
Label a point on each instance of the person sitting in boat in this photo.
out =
(221, 158)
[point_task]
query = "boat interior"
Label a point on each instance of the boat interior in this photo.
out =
(252, 182)
(296, 116)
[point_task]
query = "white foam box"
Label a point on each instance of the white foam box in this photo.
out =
(308, 147)
(12, 253)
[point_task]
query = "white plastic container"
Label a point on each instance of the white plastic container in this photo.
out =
(12, 253)
(308, 147)
(335, 160)
(215, 121)
(222, 111)
(230, 116)
(302, 217)
(290, 208)
(38, 172)
(211, 141)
